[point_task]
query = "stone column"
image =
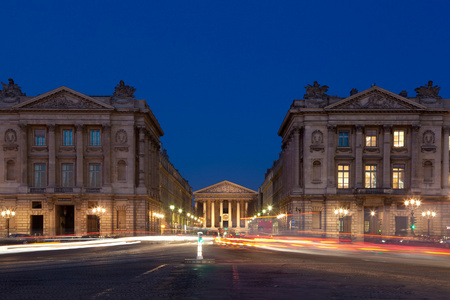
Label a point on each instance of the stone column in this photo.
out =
(230, 215)
(213, 216)
(141, 185)
(246, 214)
(107, 151)
(221, 213)
(80, 154)
(51, 156)
(238, 214)
(358, 153)
(204, 214)
(415, 182)
(387, 156)
(296, 161)
(23, 142)
(445, 157)
(331, 186)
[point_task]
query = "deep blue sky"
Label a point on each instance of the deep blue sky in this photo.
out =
(221, 75)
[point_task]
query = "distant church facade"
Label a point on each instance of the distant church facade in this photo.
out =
(353, 164)
(65, 153)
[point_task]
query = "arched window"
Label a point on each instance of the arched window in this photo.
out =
(10, 170)
(428, 171)
(316, 171)
(121, 170)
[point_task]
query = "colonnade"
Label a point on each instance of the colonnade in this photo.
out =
(229, 217)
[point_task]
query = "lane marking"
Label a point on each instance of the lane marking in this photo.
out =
(152, 270)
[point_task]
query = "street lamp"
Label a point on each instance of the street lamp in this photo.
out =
(8, 214)
(429, 215)
(172, 207)
(341, 213)
(99, 212)
(413, 204)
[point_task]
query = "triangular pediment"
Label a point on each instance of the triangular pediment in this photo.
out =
(63, 98)
(225, 187)
(375, 98)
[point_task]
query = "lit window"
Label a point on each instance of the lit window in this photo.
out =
(343, 138)
(398, 177)
(370, 176)
(399, 138)
(95, 137)
(343, 176)
(94, 175)
(39, 137)
(67, 175)
(371, 138)
(40, 176)
(67, 138)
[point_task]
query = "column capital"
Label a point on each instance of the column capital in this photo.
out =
(78, 127)
(359, 128)
(446, 129)
(387, 128)
(106, 126)
(331, 127)
(415, 128)
(23, 126)
(51, 127)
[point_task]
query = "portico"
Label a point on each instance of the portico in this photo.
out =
(224, 205)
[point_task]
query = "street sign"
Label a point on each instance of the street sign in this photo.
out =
(292, 223)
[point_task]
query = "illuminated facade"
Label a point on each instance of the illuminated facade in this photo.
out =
(225, 205)
(65, 153)
(367, 154)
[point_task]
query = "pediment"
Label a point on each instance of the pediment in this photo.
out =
(375, 98)
(225, 187)
(63, 98)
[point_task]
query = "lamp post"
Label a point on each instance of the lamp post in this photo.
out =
(99, 212)
(172, 207)
(341, 213)
(429, 215)
(180, 219)
(413, 204)
(8, 214)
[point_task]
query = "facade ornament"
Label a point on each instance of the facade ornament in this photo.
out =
(317, 137)
(379, 101)
(428, 91)
(415, 128)
(359, 128)
(403, 93)
(10, 140)
(64, 102)
(123, 93)
(121, 137)
(428, 137)
(315, 91)
(11, 92)
(353, 92)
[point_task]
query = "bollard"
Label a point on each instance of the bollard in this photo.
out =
(199, 245)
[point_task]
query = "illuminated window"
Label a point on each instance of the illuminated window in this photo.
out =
(94, 175)
(399, 138)
(343, 176)
(370, 176)
(40, 176)
(67, 137)
(371, 138)
(95, 137)
(343, 138)
(67, 175)
(39, 137)
(398, 177)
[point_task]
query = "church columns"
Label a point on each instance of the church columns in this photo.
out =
(230, 215)
(246, 215)
(221, 213)
(212, 216)
(238, 214)
(204, 214)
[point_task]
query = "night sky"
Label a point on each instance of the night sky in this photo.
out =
(220, 75)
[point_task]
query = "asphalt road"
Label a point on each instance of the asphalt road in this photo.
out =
(157, 271)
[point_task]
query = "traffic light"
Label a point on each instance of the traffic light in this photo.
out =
(200, 237)
(413, 226)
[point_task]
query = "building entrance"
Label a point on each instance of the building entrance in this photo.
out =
(65, 219)
(401, 226)
(93, 223)
(37, 225)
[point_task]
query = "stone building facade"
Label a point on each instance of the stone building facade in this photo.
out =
(65, 153)
(225, 205)
(365, 154)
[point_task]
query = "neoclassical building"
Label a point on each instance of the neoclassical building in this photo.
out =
(65, 153)
(365, 154)
(225, 205)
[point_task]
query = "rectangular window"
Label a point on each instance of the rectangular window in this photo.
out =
(370, 176)
(95, 138)
(94, 175)
(399, 138)
(40, 176)
(36, 204)
(67, 137)
(316, 217)
(371, 138)
(343, 138)
(343, 176)
(39, 137)
(398, 177)
(67, 175)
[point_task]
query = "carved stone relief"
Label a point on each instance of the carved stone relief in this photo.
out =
(226, 188)
(428, 91)
(123, 93)
(10, 140)
(315, 91)
(63, 101)
(11, 92)
(317, 141)
(121, 137)
(428, 141)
